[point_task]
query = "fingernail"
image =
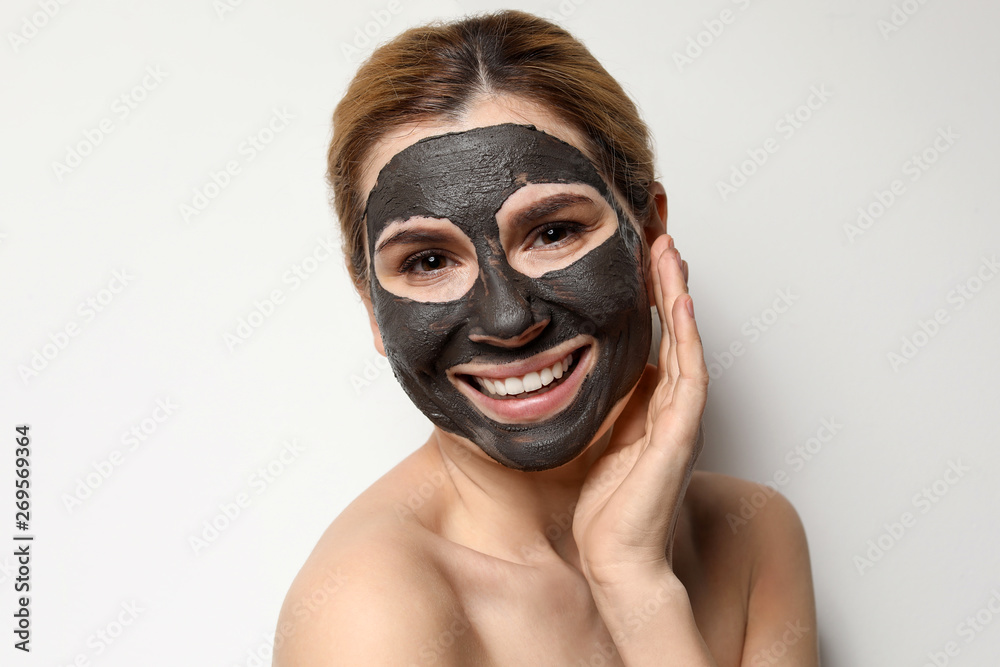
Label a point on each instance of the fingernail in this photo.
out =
(680, 262)
(670, 242)
(690, 306)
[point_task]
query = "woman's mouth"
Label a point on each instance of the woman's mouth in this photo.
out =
(527, 393)
(530, 384)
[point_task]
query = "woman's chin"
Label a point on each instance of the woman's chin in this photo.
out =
(464, 450)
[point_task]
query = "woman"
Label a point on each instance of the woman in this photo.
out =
(506, 234)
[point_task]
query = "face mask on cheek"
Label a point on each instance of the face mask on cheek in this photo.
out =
(466, 177)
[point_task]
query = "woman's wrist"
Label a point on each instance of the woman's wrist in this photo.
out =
(624, 589)
(619, 575)
(648, 613)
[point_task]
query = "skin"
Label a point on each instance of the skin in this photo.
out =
(622, 556)
(588, 300)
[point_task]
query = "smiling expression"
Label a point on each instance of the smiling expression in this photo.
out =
(508, 289)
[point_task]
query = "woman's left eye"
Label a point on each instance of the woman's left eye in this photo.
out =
(552, 234)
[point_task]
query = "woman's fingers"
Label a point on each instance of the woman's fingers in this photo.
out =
(691, 385)
(673, 438)
(677, 416)
(675, 409)
(660, 246)
(669, 283)
(682, 358)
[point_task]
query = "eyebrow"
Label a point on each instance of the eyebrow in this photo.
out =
(540, 209)
(551, 205)
(412, 236)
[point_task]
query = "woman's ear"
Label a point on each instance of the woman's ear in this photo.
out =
(376, 333)
(656, 224)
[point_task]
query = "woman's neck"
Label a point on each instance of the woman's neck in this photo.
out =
(524, 517)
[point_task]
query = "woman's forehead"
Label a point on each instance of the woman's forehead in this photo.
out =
(494, 110)
(466, 177)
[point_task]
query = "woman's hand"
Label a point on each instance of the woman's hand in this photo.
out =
(629, 505)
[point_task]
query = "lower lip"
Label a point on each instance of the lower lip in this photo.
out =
(534, 408)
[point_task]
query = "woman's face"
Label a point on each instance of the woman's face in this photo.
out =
(507, 285)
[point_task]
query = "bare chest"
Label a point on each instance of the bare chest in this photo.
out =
(520, 615)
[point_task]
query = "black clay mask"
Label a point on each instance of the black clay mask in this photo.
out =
(594, 309)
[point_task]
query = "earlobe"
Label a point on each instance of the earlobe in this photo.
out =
(376, 333)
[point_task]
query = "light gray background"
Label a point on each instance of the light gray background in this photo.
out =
(301, 375)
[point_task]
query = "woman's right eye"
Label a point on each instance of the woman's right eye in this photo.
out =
(427, 261)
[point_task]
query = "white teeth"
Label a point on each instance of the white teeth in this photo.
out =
(514, 386)
(532, 381)
(527, 383)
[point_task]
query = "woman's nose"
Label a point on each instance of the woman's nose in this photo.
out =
(504, 314)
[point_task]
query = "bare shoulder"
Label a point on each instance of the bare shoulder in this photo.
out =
(372, 592)
(754, 520)
(738, 507)
(758, 525)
